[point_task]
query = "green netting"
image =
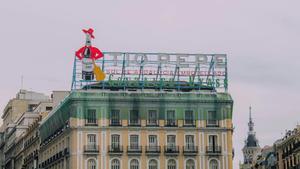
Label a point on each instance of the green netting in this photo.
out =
(79, 103)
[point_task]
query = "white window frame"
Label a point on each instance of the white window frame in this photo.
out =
(130, 159)
(185, 162)
(193, 117)
(156, 159)
(87, 139)
(115, 158)
(218, 161)
(166, 163)
(91, 158)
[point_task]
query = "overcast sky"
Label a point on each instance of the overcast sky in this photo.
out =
(261, 38)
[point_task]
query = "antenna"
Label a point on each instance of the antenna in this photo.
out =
(22, 79)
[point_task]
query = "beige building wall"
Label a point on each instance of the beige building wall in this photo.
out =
(78, 139)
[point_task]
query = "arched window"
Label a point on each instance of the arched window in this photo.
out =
(115, 164)
(171, 164)
(134, 164)
(190, 164)
(91, 164)
(213, 164)
(153, 164)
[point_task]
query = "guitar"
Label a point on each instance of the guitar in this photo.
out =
(100, 75)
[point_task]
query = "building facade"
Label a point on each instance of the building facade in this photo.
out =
(19, 137)
(288, 150)
(251, 149)
(266, 159)
(138, 129)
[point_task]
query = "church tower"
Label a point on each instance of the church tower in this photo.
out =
(251, 149)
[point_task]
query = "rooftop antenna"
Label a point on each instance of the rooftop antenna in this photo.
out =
(22, 79)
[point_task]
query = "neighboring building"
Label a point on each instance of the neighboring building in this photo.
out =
(15, 142)
(2, 143)
(139, 129)
(17, 115)
(31, 138)
(251, 149)
(288, 150)
(19, 140)
(266, 159)
(31, 146)
(25, 101)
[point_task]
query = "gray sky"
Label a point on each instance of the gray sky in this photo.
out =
(262, 39)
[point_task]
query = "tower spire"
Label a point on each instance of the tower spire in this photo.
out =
(250, 124)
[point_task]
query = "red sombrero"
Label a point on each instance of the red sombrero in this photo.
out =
(90, 32)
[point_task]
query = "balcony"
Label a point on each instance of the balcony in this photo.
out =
(134, 150)
(134, 122)
(115, 122)
(115, 150)
(171, 150)
(152, 150)
(213, 150)
(91, 122)
(189, 123)
(190, 150)
(91, 148)
(171, 123)
(152, 123)
(212, 123)
(66, 151)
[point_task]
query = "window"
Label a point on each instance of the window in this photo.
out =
(153, 164)
(48, 108)
(91, 164)
(213, 164)
(91, 142)
(115, 118)
(212, 118)
(171, 118)
(213, 143)
(134, 164)
(115, 164)
(91, 117)
(171, 142)
(153, 143)
(189, 141)
(171, 164)
(188, 118)
(31, 107)
(134, 118)
(152, 118)
(115, 142)
(134, 141)
(190, 164)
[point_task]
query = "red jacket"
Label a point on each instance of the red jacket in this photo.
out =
(95, 53)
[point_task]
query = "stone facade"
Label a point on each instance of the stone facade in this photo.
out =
(139, 129)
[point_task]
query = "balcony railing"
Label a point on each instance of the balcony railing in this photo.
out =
(152, 150)
(91, 148)
(171, 150)
(134, 149)
(152, 123)
(134, 122)
(115, 149)
(212, 123)
(171, 123)
(190, 150)
(67, 151)
(189, 123)
(114, 122)
(213, 150)
(91, 122)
